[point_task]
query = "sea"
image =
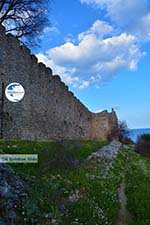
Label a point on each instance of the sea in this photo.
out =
(134, 133)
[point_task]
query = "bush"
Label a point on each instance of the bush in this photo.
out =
(66, 154)
(69, 153)
(121, 133)
(143, 145)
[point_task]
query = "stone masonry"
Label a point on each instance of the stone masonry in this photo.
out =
(49, 111)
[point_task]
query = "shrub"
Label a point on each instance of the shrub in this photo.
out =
(143, 144)
(69, 153)
(66, 154)
(121, 133)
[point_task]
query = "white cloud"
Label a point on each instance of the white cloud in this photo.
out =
(98, 55)
(130, 15)
(100, 28)
(84, 84)
(98, 111)
(92, 51)
(51, 29)
(142, 28)
(69, 38)
(120, 9)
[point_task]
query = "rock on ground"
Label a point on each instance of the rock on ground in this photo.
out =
(11, 194)
(107, 153)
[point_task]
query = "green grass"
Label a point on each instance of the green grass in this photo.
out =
(100, 203)
(138, 188)
(143, 144)
(90, 146)
(49, 185)
(49, 152)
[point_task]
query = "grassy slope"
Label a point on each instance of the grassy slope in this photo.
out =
(99, 204)
(138, 188)
(49, 187)
(48, 152)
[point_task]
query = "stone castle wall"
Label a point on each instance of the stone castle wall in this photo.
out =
(49, 111)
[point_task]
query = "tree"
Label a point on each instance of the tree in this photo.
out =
(143, 144)
(123, 133)
(26, 19)
(123, 130)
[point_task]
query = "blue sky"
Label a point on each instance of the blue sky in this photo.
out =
(101, 50)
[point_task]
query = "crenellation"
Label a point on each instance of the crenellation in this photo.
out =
(42, 66)
(66, 88)
(12, 40)
(71, 94)
(63, 86)
(57, 78)
(48, 72)
(25, 51)
(34, 59)
(2, 30)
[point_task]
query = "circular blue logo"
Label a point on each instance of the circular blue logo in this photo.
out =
(14, 92)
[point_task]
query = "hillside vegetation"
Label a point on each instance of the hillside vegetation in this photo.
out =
(65, 189)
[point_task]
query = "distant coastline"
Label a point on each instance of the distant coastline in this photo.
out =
(134, 133)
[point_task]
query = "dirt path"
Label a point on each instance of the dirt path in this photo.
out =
(123, 215)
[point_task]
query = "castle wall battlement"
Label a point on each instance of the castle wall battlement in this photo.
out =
(49, 111)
